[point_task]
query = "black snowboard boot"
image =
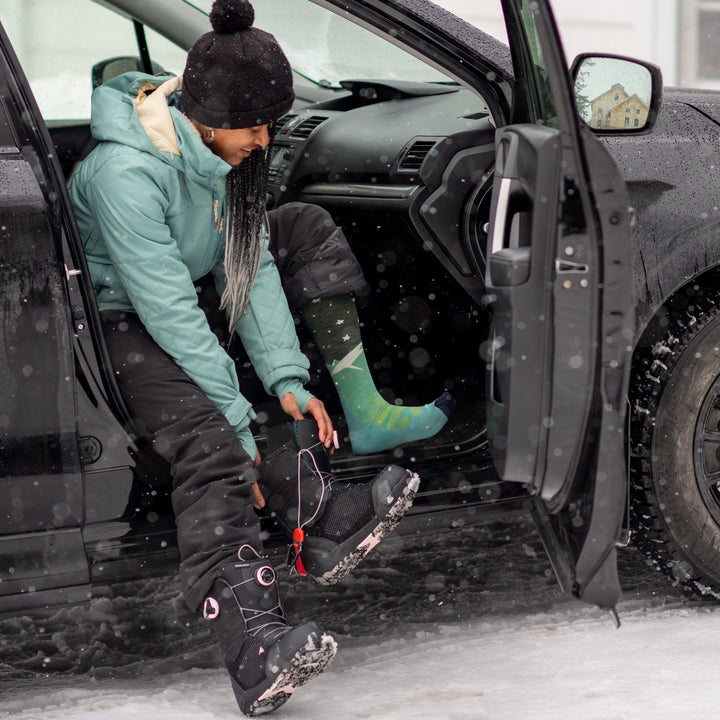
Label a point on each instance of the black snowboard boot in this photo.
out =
(332, 525)
(266, 658)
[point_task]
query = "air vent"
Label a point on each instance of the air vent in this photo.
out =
(415, 155)
(304, 129)
(284, 124)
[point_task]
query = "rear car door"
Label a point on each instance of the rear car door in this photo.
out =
(558, 282)
(41, 481)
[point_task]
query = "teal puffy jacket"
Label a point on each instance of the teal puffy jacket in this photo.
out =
(149, 203)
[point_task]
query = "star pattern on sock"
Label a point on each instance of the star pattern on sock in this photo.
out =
(347, 362)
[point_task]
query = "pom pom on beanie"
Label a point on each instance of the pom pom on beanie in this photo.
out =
(229, 16)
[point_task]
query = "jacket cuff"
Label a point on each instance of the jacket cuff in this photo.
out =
(283, 365)
(247, 441)
(294, 386)
(239, 413)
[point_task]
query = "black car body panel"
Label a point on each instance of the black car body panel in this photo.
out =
(670, 181)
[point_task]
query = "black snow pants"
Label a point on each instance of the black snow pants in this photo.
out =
(211, 473)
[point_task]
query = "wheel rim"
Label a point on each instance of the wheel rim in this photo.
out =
(707, 451)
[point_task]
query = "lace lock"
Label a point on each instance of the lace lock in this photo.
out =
(295, 558)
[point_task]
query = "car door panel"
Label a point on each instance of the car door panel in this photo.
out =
(40, 468)
(524, 222)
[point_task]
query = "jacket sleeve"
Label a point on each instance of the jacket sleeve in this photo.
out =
(267, 331)
(130, 210)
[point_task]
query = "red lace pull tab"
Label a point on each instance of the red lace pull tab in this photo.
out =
(298, 537)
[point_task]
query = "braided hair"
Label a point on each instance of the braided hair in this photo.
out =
(245, 229)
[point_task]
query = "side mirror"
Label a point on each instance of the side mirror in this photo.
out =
(616, 94)
(112, 67)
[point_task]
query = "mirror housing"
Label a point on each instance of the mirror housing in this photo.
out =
(615, 94)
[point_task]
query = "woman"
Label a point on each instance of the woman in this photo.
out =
(173, 192)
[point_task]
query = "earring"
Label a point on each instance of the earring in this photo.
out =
(206, 133)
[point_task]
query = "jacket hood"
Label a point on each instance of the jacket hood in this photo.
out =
(137, 110)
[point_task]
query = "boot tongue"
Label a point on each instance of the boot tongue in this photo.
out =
(306, 435)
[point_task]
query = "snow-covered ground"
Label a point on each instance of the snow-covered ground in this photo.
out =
(465, 627)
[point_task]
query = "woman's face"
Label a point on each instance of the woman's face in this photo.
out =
(233, 146)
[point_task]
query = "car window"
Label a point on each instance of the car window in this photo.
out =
(545, 110)
(59, 42)
(326, 47)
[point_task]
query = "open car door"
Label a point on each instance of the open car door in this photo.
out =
(559, 282)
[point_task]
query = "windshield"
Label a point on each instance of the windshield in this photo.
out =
(325, 47)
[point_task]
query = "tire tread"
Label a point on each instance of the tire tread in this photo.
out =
(652, 371)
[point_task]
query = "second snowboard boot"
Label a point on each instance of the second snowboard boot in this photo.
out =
(332, 525)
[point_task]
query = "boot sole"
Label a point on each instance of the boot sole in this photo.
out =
(307, 663)
(342, 561)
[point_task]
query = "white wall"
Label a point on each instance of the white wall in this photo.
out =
(646, 29)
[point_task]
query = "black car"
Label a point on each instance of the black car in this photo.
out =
(482, 197)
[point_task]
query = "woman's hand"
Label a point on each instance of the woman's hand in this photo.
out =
(258, 499)
(316, 408)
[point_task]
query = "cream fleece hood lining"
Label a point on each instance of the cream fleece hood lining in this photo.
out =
(154, 114)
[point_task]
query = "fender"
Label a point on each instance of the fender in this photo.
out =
(676, 201)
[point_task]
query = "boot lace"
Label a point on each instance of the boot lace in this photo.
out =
(294, 556)
(267, 624)
(307, 452)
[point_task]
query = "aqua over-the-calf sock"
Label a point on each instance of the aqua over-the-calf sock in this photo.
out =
(373, 423)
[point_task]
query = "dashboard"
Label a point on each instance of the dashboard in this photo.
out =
(417, 151)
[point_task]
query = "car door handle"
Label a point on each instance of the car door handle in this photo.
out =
(501, 215)
(509, 258)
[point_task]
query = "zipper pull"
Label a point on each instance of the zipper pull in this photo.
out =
(215, 206)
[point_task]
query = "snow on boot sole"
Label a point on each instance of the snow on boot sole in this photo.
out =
(306, 664)
(347, 555)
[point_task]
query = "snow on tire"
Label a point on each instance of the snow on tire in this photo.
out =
(675, 453)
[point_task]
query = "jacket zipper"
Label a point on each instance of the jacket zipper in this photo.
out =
(216, 225)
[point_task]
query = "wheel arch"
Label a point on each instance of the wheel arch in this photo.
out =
(682, 299)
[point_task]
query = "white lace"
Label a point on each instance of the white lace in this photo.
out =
(275, 616)
(307, 451)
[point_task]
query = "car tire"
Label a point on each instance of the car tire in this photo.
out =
(675, 453)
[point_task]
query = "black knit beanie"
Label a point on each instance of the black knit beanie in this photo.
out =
(236, 76)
